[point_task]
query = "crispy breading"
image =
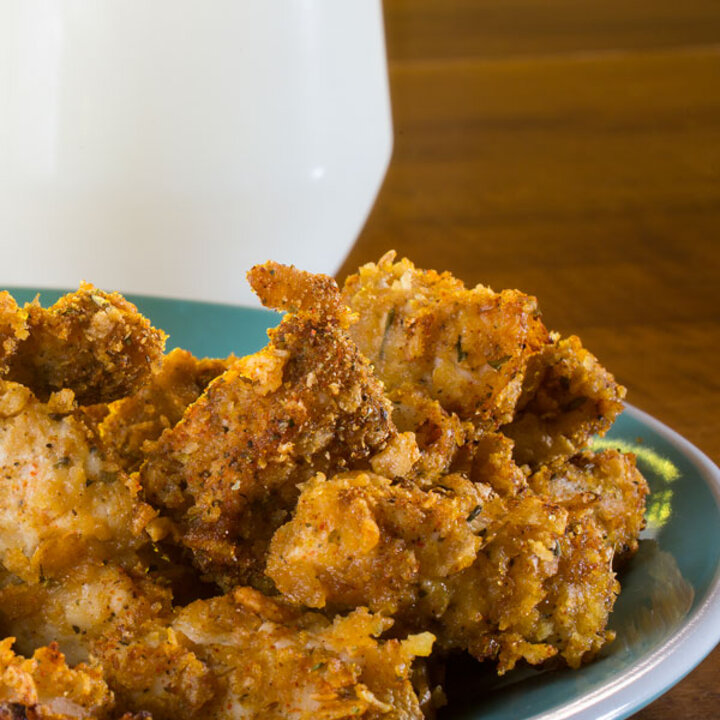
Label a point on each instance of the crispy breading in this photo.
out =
(228, 472)
(581, 595)
(458, 504)
(488, 458)
(457, 559)
(493, 607)
(359, 540)
(159, 404)
(285, 288)
(246, 655)
(241, 654)
(567, 398)
(606, 485)
(156, 671)
(501, 578)
(439, 434)
(90, 601)
(543, 584)
(447, 444)
(398, 458)
(92, 342)
(44, 687)
(278, 662)
(466, 348)
(539, 588)
(13, 328)
(100, 612)
(59, 499)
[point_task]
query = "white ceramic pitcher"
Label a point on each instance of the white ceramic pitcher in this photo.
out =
(164, 146)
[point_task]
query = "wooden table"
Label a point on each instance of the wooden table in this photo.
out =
(572, 150)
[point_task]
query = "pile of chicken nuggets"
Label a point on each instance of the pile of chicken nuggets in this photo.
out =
(402, 473)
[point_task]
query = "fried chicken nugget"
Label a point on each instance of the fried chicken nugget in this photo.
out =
(13, 328)
(466, 348)
(241, 654)
(602, 496)
(504, 578)
(246, 655)
(543, 585)
(277, 662)
(606, 485)
(567, 398)
(581, 594)
(100, 613)
(92, 342)
(159, 404)
(59, 499)
(357, 539)
(228, 472)
(43, 687)
(88, 602)
(494, 607)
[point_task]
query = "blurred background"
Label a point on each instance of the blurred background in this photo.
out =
(572, 150)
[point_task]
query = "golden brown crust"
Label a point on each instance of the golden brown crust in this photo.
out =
(520, 577)
(92, 342)
(466, 348)
(494, 608)
(157, 672)
(359, 540)
(276, 662)
(60, 500)
(285, 288)
(228, 471)
(159, 404)
(44, 687)
(488, 458)
(92, 601)
(567, 398)
(13, 328)
(606, 486)
(439, 434)
(482, 520)
(241, 654)
(581, 595)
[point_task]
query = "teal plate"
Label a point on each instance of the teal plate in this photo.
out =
(667, 618)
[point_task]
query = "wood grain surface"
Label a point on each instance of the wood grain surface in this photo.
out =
(572, 150)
